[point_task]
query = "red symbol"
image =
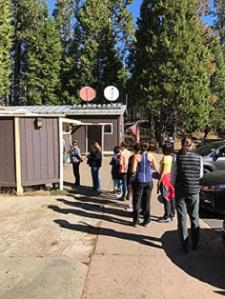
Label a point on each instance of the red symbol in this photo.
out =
(87, 94)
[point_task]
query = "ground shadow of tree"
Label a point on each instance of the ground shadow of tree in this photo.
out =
(206, 264)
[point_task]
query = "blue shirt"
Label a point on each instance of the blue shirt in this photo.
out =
(144, 173)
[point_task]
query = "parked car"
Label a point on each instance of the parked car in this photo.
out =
(212, 192)
(213, 154)
(207, 141)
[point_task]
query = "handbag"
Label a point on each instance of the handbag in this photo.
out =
(160, 198)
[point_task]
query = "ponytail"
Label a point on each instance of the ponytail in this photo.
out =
(186, 144)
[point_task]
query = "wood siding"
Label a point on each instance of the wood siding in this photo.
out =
(7, 153)
(39, 151)
(79, 134)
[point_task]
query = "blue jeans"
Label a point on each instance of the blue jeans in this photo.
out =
(117, 186)
(123, 177)
(95, 177)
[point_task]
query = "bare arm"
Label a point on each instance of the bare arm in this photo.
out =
(161, 173)
(153, 161)
(134, 164)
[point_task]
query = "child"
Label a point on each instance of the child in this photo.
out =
(117, 184)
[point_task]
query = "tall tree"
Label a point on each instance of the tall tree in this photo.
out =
(44, 51)
(6, 31)
(64, 16)
(102, 32)
(171, 65)
(36, 52)
(217, 114)
(26, 15)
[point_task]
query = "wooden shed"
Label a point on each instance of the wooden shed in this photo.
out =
(32, 139)
(101, 123)
(31, 152)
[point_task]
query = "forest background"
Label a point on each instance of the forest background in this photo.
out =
(169, 61)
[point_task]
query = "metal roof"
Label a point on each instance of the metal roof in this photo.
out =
(94, 109)
(87, 109)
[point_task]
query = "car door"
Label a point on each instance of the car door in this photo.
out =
(220, 159)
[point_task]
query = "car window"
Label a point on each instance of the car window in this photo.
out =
(206, 149)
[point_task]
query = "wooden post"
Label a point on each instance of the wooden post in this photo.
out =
(103, 139)
(19, 188)
(61, 146)
(86, 140)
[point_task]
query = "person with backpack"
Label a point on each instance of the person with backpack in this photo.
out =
(188, 171)
(115, 172)
(143, 163)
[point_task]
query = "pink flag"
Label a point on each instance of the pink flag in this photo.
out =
(135, 129)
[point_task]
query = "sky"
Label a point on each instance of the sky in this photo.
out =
(135, 9)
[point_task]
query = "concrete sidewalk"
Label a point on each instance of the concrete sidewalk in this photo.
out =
(55, 247)
(147, 263)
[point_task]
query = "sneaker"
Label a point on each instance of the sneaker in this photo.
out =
(135, 223)
(129, 208)
(165, 220)
(118, 195)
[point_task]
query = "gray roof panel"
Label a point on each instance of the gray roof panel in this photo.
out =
(87, 109)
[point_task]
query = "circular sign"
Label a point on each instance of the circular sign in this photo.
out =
(111, 93)
(87, 94)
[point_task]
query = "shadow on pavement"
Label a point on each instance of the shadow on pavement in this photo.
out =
(92, 206)
(210, 215)
(84, 190)
(86, 228)
(204, 264)
(83, 213)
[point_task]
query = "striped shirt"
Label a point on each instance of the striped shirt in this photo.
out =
(188, 173)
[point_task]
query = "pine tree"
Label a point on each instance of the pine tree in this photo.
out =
(5, 47)
(102, 31)
(217, 115)
(219, 23)
(44, 51)
(171, 65)
(26, 15)
(64, 17)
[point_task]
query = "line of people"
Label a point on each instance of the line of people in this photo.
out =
(133, 173)
(178, 184)
(94, 161)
